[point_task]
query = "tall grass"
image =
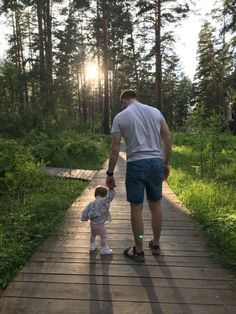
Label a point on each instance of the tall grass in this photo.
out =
(26, 220)
(32, 203)
(212, 197)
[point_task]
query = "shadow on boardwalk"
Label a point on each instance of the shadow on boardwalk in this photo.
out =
(95, 306)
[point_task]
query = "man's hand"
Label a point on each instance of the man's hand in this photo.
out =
(110, 182)
(166, 169)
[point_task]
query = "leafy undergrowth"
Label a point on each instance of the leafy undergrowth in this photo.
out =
(212, 197)
(31, 204)
(26, 221)
(69, 149)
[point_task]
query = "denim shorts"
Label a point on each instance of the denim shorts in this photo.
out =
(144, 174)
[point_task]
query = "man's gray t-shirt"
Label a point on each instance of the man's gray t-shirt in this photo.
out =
(140, 126)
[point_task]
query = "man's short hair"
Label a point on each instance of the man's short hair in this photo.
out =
(101, 191)
(128, 94)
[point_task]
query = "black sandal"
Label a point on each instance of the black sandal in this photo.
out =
(138, 257)
(155, 249)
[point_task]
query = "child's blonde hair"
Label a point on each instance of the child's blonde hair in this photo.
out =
(100, 191)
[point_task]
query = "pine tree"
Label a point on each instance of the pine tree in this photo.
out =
(161, 13)
(229, 11)
(184, 94)
(208, 85)
(177, 92)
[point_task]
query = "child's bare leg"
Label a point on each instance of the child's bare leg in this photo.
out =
(104, 250)
(93, 238)
(93, 234)
(103, 235)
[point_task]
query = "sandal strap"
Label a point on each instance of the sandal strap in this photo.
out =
(137, 253)
(152, 246)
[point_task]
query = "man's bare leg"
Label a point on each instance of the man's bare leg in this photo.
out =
(157, 220)
(137, 225)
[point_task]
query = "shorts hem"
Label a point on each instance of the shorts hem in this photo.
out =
(155, 201)
(135, 203)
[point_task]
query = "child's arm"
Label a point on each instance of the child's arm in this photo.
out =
(110, 195)
(86, 213)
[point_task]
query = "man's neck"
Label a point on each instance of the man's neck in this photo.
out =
(132, 101)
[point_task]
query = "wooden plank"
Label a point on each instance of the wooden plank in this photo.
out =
(21, 305)
(116, 227)
(71, 173)
(130, 271)
(72, 249)
(147, 221)
(176, 261)
(120, 230)
(126, 281)
(119, 244)
(120, 257)
(126, 216)
(129, 237)
(168, 295)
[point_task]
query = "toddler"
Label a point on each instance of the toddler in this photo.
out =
(98, 214)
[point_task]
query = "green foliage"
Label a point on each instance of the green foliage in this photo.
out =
(27, 220)
(177, 93)
(31, 202)
(229, 12)
(70, 149)
(208, 88)
(211, 197)
(18, 170)
(209, 144)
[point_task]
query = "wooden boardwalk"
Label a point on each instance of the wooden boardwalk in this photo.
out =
(86, 175)
(63, 278)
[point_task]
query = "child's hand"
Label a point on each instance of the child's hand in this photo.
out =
(110, 182)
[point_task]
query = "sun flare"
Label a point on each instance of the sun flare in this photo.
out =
(91, 71)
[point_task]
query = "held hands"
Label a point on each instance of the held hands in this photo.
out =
(110, 182)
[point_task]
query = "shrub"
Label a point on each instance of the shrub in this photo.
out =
(19, 170)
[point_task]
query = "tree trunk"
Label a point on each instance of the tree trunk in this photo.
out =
(41, 48)
(32, 81)
(222, 91)
(22, 61)
(83, 78)
(134, 59)
(234, 119)
(158, 75)
(105, 68)
(100, 102)
(48, 43)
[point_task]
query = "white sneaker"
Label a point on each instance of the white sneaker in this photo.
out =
(93, 246)
(105, 250)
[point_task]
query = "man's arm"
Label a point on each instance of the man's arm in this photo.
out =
(167, 146)
(116, 139)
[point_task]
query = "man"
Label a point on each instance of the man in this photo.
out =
(143, 129)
